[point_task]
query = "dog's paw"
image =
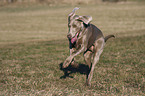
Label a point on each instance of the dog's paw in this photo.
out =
(88, 84)
(66, 63)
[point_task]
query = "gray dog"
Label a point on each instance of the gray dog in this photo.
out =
(87, 38)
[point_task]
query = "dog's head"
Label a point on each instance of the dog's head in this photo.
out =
(76, 24)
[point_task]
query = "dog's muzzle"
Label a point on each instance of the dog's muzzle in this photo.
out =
(74, 39)
(69, 36)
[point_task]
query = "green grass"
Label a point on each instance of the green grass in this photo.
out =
(33, 44)
(33, 69)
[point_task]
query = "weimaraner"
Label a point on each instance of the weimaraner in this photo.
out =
(87, 38)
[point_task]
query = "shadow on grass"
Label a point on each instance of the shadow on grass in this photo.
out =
(81, 68)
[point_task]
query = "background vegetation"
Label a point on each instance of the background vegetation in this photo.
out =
(33, 45)
(72, 2)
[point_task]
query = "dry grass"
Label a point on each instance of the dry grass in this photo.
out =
(33, 69)
(49, 23)
(33, 43)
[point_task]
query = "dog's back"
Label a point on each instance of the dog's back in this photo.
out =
(95, 34)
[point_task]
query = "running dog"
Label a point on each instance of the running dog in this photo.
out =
(87, 38)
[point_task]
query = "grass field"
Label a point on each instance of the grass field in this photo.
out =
(33, 45)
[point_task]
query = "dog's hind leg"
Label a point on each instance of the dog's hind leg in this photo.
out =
(95, 61)
(98, 50)
(87, 57)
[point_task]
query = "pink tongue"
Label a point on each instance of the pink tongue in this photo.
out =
(74, 39)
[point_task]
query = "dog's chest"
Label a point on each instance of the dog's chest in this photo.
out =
(78, 43)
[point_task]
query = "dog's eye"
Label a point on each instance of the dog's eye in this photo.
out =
(74, 25)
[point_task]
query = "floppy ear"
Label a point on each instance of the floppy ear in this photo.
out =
(85, 19)
(73, 12)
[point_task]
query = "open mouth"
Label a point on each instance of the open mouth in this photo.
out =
(74, 39)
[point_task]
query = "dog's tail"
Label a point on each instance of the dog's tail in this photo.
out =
(109, 36)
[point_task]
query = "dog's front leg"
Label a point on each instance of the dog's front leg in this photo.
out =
(70, 58)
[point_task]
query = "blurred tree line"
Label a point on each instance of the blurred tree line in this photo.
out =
(12, 1)
(113, 0)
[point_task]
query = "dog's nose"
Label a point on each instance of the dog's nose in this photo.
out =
(69, 36)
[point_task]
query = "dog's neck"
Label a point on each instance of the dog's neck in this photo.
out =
(86, 25)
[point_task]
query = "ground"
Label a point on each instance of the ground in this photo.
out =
(33, 45)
